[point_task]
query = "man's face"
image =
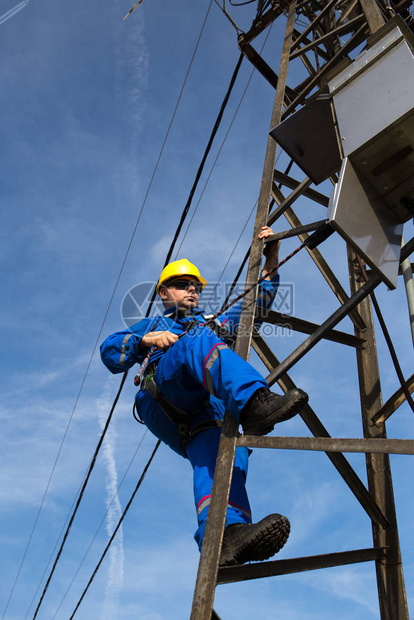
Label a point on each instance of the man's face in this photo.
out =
(182, 292)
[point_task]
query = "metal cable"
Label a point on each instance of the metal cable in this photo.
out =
(91, 466)
(184, 214)
(127, 507)
(171, 249)
(221, 148)
(101, 523)
(107, 311)
(199, 172)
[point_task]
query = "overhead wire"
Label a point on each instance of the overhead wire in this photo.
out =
(216, 126)
(52, 553)
(108, 307)
(246, 256)
(182, 219)
(184, 214)
(199, 172)
(169, 253)
(60, 448)
(207, 181)
(91, 466)
(115, 495)
(125, 374)
(224, 141)
(127, 507)
(231, 253)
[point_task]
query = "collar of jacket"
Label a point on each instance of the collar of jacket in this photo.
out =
(181, 313)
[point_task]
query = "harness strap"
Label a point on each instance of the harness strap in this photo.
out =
(178, 415)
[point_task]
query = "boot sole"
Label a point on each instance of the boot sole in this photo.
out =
(288, 411)
(263, 543)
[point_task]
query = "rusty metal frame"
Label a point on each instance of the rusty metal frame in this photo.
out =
(359, 295)
(286, 567)
(377, 500)
(330, 444)
(306, 327)
(318, 430)
(393, 403)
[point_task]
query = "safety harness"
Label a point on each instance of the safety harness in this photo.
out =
(178, 416)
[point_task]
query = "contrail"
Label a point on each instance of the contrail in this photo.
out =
(116, 551)
(8, 14)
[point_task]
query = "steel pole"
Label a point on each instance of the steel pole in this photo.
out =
(390, 579)
(409, 289)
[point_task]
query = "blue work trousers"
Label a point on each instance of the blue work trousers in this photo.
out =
(197, 365)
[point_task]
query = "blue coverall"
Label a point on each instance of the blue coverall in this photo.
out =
(198, 365)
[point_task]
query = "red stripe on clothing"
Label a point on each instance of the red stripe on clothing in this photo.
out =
(202, 500)
(240, 508)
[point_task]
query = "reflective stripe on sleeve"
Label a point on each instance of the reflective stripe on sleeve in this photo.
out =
(123, 350)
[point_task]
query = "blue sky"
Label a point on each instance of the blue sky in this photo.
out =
(86, 102)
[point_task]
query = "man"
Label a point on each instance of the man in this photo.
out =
(192, 377)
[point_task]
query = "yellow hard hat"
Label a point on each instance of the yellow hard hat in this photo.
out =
(179, 268)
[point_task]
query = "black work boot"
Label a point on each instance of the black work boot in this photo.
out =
(243, 542)
(265, 409)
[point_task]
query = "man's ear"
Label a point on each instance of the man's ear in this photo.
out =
(163, 293)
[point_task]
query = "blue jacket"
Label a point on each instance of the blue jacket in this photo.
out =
(120, 350)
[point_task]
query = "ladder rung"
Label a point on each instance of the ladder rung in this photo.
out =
(301, 325)
(231, 574)
(330, 444)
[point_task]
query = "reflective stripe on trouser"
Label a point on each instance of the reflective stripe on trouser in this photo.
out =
(200, 361)
(202, 453)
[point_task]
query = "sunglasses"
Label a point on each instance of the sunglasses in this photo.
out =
(184, 285)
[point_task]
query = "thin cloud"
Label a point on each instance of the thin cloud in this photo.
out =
(9, 14)
(113, 504)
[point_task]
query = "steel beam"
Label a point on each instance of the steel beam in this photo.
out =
(267, 18)
(288, 181)
(392, 404)
(373, 14)
(390, 578)
(313, 23)
(340, 30)
(231, 574)
(288, 202)
(317, 428)
(322, 53)
(319, 261)
(331, 444)
(306, 327)
(286, 234)
(378, 501)
(350, 45)
(263, 68)
(360, 294)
